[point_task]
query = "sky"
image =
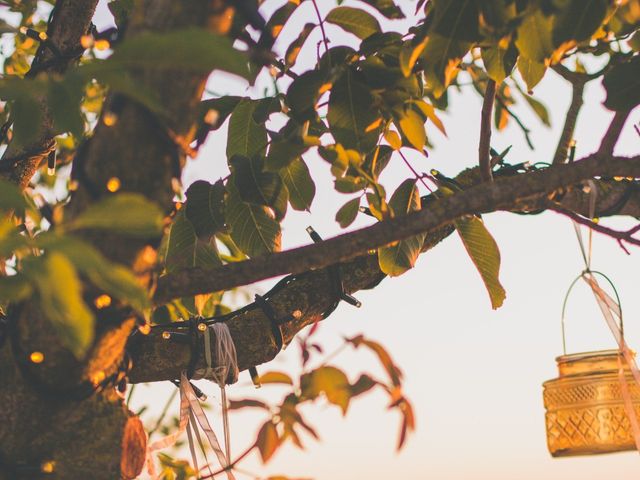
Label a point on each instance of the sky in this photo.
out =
(474, 375)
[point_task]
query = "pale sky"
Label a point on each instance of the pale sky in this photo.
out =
(474, 375)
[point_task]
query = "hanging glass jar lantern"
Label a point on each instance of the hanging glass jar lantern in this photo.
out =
(587, 406)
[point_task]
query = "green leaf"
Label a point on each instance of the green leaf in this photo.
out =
(440, 59)
(354, 20)
(483, 250)
(282, 152)
(223, 107)
(301, 187)
(114, 279)
(351, 113)
(293, 50)
(532, 72)
(387, 8)
(498, 62)
(253, 227)
(276, 377)
(534, 37)
(64, 99)
(539, 109)
(456, 19)
(348, 212)
(185, 249)
(578, 20)
(60, 299)
(303, 94)
(15, 288)
(11, 197)
(246, 137)
(192, 49)
(205, 208)
(622, 84)
(411, 125)
(130, 214)
(280, 16)
(258, 187)
(396, 259)
(330, 381)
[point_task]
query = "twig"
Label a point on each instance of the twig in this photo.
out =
(620, 236)
(163, 414)
(415, 173)
(231, 465)
(522, 126)
(613, 133)
(324, 33)
(570, 120)
(484, 157)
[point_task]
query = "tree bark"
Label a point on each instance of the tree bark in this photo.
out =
(98, 437)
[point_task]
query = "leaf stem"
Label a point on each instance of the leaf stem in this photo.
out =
(484, 157)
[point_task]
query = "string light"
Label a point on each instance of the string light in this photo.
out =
(113, 184)
(98, 377)
(73, 185)
(110, 119)
(36, 357)
(145, 329)
(51, 162)
(102, 44)
(102, 301)
(202, 326)
(48, 466)
(86, 41)
(166, 335)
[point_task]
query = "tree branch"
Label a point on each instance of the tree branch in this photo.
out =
(577, 91)
(613, 133)
(484, 157)
(518, 192)
(620, 236)
(71, 20)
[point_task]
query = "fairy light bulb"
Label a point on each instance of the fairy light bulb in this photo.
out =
(102, 44)
(202, 327)
(48, 466)
(109, 119)
(113, 184)
(102, 301)
(145, 329)
(86, 41)
(36, 357)
(166, 335)
(98, 377)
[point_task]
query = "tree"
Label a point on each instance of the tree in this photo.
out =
(94, 284)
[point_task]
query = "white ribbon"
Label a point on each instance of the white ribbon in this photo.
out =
(221, 365)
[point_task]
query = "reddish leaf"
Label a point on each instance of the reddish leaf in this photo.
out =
(268, 441)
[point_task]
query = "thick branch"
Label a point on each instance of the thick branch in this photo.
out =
(70, 22)
(484, 157)
(517, 192)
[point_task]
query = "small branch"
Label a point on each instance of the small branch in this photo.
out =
(324, 33)
(613, 133)
(231, 466)
(484, 157)
(522, 126)
(620, 236)
(501, 194)
(570, 120)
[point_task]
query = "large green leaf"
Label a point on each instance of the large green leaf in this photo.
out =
(399, 257)
(328, 380)
(11, 197)
(534, 36)
(258, 187)
(205, 207)
(190, 49)
(388, 8)
(293, 50)
(578, 20)
(253, 227)
(351, 113)
(457, 19)
(298, 181)
(59, 296)
(346, 215)
(440, 59)
(130, 214)
(622, 84)
(185, 249)
(532, 72)
(112, 278)
(246, 137)
(484, 252)
(354, 20)
(499, 62)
